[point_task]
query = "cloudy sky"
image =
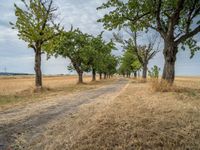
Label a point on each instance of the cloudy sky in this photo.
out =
(16, 57)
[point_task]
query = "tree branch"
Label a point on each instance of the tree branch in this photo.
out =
(47, 15)
(136, 18)
(159, 26)
(190, 16)
(32, 46)
(188, 35)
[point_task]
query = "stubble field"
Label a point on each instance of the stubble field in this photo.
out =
(17, 90)
(121, 114)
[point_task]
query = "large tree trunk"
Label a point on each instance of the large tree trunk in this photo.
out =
(144, 71)
(135, 74)
(93, 75)
(100, 76)
(80, 77)
(38, 72)
(78, 70)
(169, 52)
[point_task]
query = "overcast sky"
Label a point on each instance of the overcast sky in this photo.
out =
(16, 57)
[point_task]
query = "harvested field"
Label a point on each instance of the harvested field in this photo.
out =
(142, 119)
(13, 85)
(117, 114)
(20, 90)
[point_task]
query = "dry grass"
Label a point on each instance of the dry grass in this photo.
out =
(20, 90)
(162, 86)
(142, 119)
(63, 133)
(181, 84)
(138, 118)
(13, 85)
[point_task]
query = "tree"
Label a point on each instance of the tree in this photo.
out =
(101, 57)
(177, 21)
(136, 65)
(35, 25)
(129, 63)
(96, 50)
(144, 53)
(73, 45)
(111, 65)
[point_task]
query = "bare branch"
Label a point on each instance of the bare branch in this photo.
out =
(190, 16)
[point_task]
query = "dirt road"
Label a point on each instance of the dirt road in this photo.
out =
(34, 119)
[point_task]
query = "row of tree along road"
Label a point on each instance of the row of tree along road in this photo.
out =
(176, 21)
(36, 26)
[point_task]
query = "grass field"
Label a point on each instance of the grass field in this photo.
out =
(13, 85)
(137, 117)
(16, 90)
(141, 118)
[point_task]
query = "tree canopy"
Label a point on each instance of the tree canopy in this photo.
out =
(86, 52)
(129, 63)
(177, 21)
(35, 22)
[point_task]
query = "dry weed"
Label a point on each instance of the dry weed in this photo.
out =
(162, 86)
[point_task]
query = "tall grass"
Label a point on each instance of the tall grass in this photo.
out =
(162, 86)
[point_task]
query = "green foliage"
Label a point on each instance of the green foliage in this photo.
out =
(86, 52)
(111, 64)
(129, 63)
(136, 65)
(178, 19)
(35, 22)
(143, 53)
(154, 72)
(74, 45)
(98, 51)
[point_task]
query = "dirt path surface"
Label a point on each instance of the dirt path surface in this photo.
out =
(34, 119)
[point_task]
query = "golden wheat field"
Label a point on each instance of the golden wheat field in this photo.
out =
(12, 85)
(20, 90)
